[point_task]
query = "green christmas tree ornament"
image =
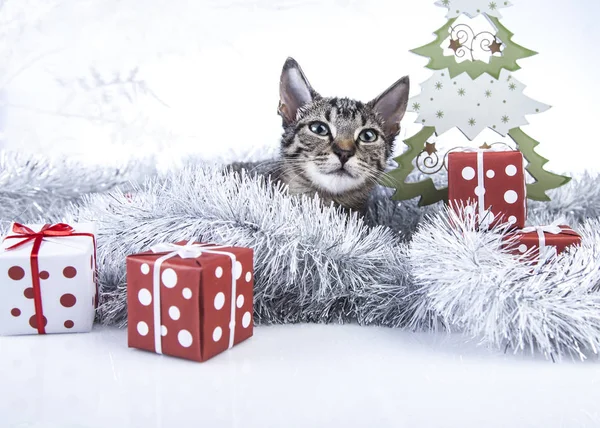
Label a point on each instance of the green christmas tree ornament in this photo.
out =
(472, 89)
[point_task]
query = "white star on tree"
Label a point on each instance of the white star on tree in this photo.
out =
(473, 8)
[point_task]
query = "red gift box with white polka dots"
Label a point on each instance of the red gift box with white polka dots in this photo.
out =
(66, 275)
(489, 184)
(192, 308)
(527, 245)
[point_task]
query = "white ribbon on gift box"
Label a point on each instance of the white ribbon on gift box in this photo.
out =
(187, 251)
(546, 252)
(483, 213)
(481, 180)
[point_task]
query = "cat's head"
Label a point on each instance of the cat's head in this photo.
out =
(337, 144)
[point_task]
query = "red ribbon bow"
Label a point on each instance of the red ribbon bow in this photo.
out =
(27, 234)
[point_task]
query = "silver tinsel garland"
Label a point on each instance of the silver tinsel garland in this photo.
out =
(311, 265)
(466, 280)
(33, 187)
(400, 266)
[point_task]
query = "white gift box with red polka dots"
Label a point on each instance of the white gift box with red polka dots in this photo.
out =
(194, 307)
(67, 281)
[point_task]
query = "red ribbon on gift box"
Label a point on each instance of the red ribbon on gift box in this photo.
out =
(26, 234)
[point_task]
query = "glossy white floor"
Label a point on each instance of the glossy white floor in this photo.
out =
(290, 376)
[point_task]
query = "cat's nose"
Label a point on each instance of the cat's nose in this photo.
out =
(344, 150)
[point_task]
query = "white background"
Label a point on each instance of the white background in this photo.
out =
(215, 66)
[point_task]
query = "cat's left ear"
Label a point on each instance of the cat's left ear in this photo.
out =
(391, 105)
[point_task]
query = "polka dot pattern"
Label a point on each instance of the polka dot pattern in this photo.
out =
(67, 288)
(511, 197)
(68, 300)
(142, 328)
(219, 301)
(183, 302)
(468, 173)
(246, 319)
(217, 334)
(69, 272)
(522, 248)
(237, 270)
(184, 338)
(16, 273)
(511, 170)
(33, 321)
(145, 268)
(145, 297)
(169, 278)
(502, 172)
(174, 313)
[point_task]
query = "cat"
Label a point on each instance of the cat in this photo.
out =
(336, 148)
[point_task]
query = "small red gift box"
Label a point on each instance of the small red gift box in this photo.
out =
(191, 301)
(540, 243)
(493, 182)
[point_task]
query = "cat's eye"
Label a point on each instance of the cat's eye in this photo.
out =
(368, 135)
(319, 128)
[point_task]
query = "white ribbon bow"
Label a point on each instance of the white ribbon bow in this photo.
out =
(553, 228)
(187, 251)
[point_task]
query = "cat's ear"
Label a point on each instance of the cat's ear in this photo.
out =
(391, 105)
(294, 91)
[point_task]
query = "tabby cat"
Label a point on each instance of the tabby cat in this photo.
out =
(335, 147)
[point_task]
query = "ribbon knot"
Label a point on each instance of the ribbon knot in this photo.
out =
(186, 251)
(27, 234)
(553, 228)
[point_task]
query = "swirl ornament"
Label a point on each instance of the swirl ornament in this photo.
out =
(464, 41)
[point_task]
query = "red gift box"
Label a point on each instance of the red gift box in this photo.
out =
(191, 301)
(491, 181)
(540, 243)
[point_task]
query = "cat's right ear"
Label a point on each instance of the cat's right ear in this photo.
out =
(294, 91)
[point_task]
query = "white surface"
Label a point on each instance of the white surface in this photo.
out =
(290, 376)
